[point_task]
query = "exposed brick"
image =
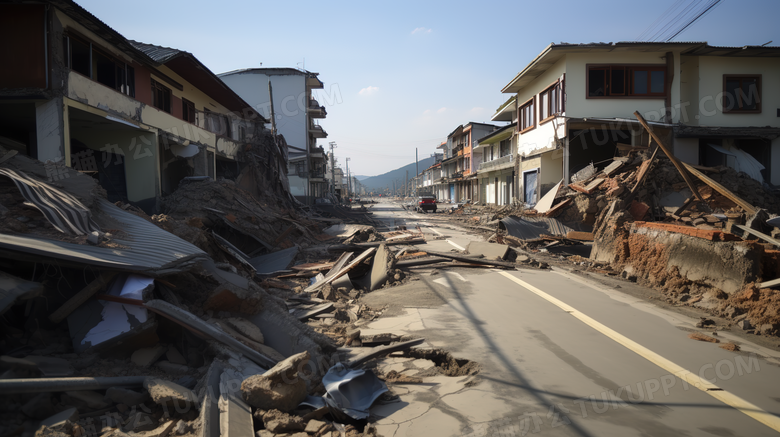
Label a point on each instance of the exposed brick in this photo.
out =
(638, 210)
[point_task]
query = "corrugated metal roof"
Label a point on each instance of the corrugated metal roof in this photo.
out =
(157, 53)
(149, 249)
(532, 228)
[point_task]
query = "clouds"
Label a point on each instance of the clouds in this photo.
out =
(421, 30)
(369, 91)
(441, 110)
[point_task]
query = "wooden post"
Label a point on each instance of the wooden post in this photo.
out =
(82, 296)
(677, 164)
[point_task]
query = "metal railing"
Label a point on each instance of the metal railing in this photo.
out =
(497, 163)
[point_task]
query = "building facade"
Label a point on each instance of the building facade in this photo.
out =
(137, 117)
(575, 103)
(297, 114)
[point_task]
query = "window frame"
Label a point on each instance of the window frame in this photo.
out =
(628, 82)
(188, 111)
(726, 110)
(521, 118)
(166, 91)
(556, 89)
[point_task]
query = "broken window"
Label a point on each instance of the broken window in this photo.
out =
(80, 57)
(626, 81)
(161, 96)
(742, 93)
(187, 111)
(527, 115)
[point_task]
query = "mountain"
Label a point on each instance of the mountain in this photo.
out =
(360, 178)
(386, 180)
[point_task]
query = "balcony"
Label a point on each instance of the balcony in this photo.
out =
(317, 131)
(315, 110)
(498, 164)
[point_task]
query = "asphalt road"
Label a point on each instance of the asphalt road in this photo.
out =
(562, 355)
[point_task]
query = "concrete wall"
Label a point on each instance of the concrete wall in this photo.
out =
(711, 71)
(689, 90)
(540, 139)
(552, 169)
(577, 105)
(290, 101)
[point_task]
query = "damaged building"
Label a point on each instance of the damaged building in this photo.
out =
(573, 104)
(137, 117)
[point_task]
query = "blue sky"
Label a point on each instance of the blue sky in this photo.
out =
(407, 73)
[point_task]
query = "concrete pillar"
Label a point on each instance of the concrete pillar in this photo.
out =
(50, 129)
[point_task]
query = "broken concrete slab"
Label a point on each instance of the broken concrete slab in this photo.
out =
(174, 356)
(170, 394)
(546, 202)
(61, 419)
(280, 422)
(278, 261)
(259, 347)
(382, 263)
(147, 356)
(171, 368)
(245, 328)
(120, 395)
(209, 400)
(13, 290)
(235, 416)
(488, 250)
(280, 387)
(43, 385)
(138, 422)
(39, 407)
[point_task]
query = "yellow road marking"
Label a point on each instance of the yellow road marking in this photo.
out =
(691, 378)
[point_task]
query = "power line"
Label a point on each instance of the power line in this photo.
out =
(659, 20)
(694, 19)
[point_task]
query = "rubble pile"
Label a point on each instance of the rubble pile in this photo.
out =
(118, 323)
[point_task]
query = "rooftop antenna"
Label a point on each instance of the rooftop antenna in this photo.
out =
(302, 63)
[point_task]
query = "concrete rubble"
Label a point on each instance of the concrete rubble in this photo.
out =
(164, 326)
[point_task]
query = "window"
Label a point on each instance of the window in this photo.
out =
(187, 111)
(626, 81)
(551, 101)
(742, 93)
(161, 96)
(80, 57)
(241, 133)
(527, 117)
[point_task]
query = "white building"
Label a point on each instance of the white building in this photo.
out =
(575, 103)
(296, 113)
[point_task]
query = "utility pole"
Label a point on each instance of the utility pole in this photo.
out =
(349, 181)
(417, 169)
(332, 145)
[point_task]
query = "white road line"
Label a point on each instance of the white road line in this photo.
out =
(691, 378)
(435, 231)
(456, 246)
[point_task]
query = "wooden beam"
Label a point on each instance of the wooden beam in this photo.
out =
(750, 209)
(760, 235)
(677, 164)
(82, 296)
(770, 284)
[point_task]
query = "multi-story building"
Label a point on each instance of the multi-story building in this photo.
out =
(575, 105)
(464, 182)
(137, 117)
(296, 113)
(496, 172)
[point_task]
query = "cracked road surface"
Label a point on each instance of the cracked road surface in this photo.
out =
(562, 355)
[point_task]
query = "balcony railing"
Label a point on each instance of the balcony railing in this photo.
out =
(497, 164)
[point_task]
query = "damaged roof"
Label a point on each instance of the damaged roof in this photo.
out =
(144, 247)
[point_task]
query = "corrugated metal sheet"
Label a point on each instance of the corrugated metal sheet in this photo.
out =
(149, 249)
(532, 228)
(157, 53)
(61, 209)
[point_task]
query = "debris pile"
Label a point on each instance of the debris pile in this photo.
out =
(220, 316)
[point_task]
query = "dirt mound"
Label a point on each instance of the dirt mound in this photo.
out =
(760, 305)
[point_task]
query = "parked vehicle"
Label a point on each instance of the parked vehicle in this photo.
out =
(426, 203)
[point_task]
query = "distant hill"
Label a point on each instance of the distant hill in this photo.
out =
(384, 180)
(360, 178)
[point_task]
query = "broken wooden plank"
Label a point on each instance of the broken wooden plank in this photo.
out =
(470, 260)
(552, 212)
(770, 284)
(669, 153)
(579, 236)
(616, 164)
(82, 296)
(591, 187)
(328, 278)
(284, 235)
(381, 351)
(758, 234)
(750, 209)
(311, 312)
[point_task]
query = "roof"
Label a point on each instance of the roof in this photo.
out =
(312, 78)
(553, 52)
(497, 135)
(193, 71)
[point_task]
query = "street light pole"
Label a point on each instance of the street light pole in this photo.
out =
(349, 182)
